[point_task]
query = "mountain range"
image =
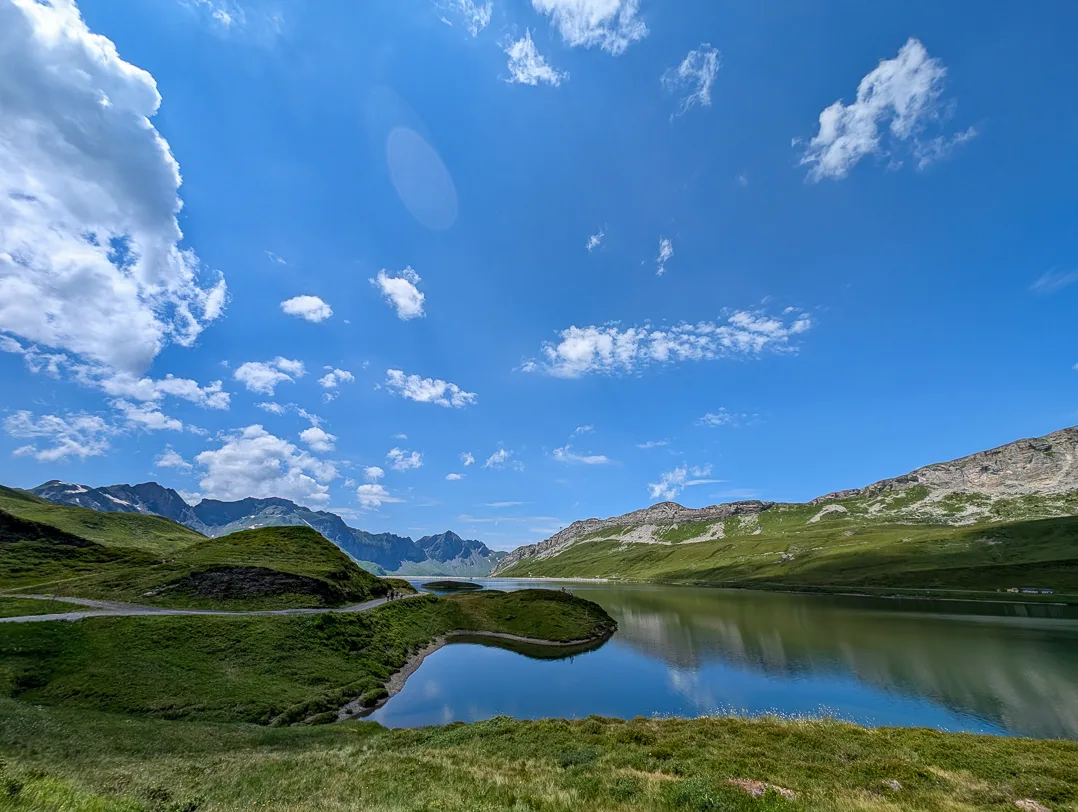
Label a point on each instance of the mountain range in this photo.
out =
(1027, 479)
(382, 553)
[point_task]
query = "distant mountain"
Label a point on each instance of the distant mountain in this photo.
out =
(1028, 479)
(383, 553)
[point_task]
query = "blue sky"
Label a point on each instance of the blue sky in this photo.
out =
(388, 213)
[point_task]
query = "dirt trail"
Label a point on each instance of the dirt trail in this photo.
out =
(116, 609)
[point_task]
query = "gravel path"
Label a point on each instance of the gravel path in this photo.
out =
(115, 609)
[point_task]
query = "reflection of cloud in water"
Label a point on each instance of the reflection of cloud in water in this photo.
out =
(431, 689)
(423, 183)
(695, 689)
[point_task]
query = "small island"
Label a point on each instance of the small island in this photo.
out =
(453, 586)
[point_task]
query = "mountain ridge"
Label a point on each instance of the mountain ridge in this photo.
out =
(387, 553)
(1028, 478)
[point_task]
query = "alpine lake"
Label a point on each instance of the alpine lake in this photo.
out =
(985, 667)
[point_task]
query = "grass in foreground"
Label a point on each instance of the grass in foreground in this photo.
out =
(261, 669)
(81, 761)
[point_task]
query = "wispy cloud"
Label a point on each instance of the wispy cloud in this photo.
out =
(696, 73)
(595, 240)
(666, 251)
(528, 67)
(567, 455)
(1054, 280)
(612, 25)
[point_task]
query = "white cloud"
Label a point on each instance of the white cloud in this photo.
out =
(595, 240)
(402, 293)
(467, 458)
(310, 308)
(720, 418)
(902, 94)
(500, 458)
(566, 454)
(263, 377)
(612, 25)
(73, 435)
(427, 390)
(476, 15)
(274, 258)
(146, 416)
(1054, 280)
(255, 463)
(373, 496)
(528, 67)
(400, 436)
(117, 383)
(653, 444)
(169, 458)
(272, 408)
(666, 251)
(696, 73)
(318, 440)
(454, 477)
(90, 261)
(609, 349)
(673, 482)
(400, 460)
(125, 385)
(588, 429)
(335, 377)
(372, 473)
(221, 13)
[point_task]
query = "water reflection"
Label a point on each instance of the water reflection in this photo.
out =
(688, 651)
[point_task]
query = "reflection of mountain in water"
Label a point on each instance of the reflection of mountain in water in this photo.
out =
(1011, 669)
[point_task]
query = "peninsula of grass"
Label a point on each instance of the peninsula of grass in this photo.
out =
(453, 586)
(83, 761)
(269, 669)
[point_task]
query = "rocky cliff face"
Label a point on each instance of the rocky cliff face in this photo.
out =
(641, 524)
(1041, 465)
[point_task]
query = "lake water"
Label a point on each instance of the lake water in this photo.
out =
(687, 651)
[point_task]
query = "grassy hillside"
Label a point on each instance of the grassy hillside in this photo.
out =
(798, 546)
(273, 567)
(260, 669)
(77, 761)
(122, 530)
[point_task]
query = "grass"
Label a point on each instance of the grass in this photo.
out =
(792, 553)
(272, 567)
(20, 607)
(260, 669)
(684, 531)
(60, 758)
(453, 586)
(134, 531)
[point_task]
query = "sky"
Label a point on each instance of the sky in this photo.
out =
(497, 266)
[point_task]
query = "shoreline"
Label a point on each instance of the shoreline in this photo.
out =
(845, 592)
(353, 710)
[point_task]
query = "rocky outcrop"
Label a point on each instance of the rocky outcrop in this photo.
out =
(662, 514)
(1041, 465)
